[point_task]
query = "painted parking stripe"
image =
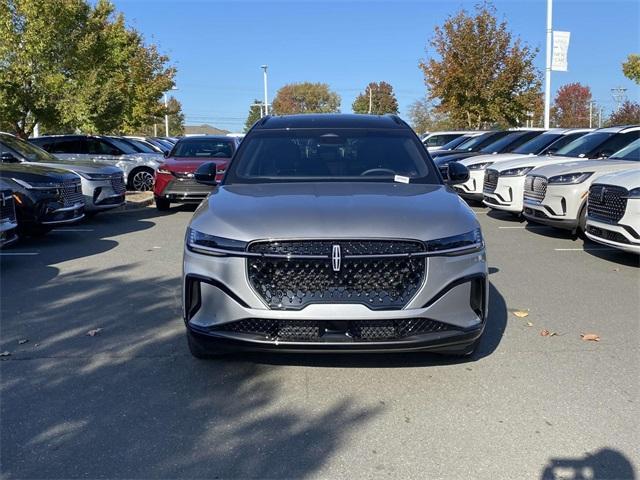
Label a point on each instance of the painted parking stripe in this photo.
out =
(583, 249)
(528, 227)
(8, 254)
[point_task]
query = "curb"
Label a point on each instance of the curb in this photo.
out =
(130, 206)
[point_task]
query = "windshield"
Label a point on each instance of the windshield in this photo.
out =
(476, 143)
(630, 152)
(203, 148)
(537, 144)
(584, 145)
(455, 142)
(126, 147)
(141, 146)
(30, 152)
(331, 155)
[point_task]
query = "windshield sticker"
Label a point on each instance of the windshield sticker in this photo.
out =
(401, 179)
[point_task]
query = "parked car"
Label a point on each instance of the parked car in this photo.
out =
(44, 196)
(8, 219)
(556, 194)
(453, 144)
(139, 168)
(142, 146)
(613, 210)
(473, 144)
(103, 186)
(159, 146)
(539, 145)
(503, 187)
(435, 140)
(175, 177)
(318, 239)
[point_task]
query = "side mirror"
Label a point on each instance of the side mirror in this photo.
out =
(605, 154)
(456, 173)
(166, 153)
(206, 174)
(8, 157)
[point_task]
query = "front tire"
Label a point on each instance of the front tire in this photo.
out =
(162, 204)
(141, 179)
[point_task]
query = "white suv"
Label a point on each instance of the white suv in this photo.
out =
(556, 195)
(613, 210)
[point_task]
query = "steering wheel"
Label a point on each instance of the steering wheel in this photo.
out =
(377, 170)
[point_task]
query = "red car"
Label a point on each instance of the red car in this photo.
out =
(174, 182)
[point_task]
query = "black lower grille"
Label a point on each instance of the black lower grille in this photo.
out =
(490, 181)
(186, 185)
(607, 202)
(71, 193)
(607, 234)
(383, 282)
(118, 184)
(322, 330)
(7, 207)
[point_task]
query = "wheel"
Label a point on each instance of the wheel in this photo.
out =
(198, 352)
(162, 204)
(141, 180)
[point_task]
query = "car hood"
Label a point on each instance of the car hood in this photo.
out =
(598, 167)
(35, 173)
(534, 161)
(456, 157)
(191, 164)
(498, 157)
(628, 179)
(334, 210)
(84, 167)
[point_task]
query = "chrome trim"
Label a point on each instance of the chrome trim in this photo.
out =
(75, 206)
(70, 220)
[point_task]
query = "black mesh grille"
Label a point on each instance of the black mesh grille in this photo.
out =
(490, 181)
(320, 330)
(71, 193)
(7, 207)
(607, 234)
(380, 283)
(186, 185)
(607, 202)
(118, 184)
(535, 188)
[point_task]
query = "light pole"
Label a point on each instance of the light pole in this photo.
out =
(166, 113)
(547, 76)
(266, 103)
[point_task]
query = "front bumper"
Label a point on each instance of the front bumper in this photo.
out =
(560, 206)
(507, 196)
(180, 190)
(8, 233)
(102, 195)
(625, 234)
(472, 188)
(452, 302)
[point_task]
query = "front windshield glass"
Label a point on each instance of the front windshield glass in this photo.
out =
(537, 144)
(454, 143)
(203, 148)
(584, 145)
(26, 150)
(472, 142)
(124, 146)
(501, 144)
(311, 155)
(141, 146)
(630, 152)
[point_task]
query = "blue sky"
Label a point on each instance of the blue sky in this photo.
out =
(218, 46)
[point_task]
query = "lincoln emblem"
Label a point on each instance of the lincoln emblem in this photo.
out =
(336, 258)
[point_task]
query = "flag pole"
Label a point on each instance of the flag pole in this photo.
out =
(547, 78)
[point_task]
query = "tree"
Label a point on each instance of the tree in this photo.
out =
(631, 68)
(254, 115)
(424, 118)
(627, 114)
(70, 65)
(481, 75)
(176, 120)
(383, 100)
(571, 106)
(306, 97)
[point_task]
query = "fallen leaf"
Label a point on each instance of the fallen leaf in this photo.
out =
(23, 341)
(529, 324)
(521, 313)
(590, 337)
(616, 269)
(544, 333)
(5, 354)
(94, 332)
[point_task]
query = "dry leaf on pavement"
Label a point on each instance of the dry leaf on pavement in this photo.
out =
(521, 313)
(94, 332)
(547, 333)
(5, 354)
(590, 337)
(529, 324)
(23, 341)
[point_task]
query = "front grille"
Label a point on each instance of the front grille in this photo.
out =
(118, 184)
(322, 330)
(7, 207)
(607, 202)
(535, 188)
(607, 234)
(383, 282)
(186, 185)
(71, 193)
(490, 181)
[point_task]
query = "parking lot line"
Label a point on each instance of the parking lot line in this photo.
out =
(528, 227)
(588, 249)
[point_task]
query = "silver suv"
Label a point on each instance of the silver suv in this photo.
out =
(333, 232)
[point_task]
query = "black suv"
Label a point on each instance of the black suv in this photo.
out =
(44, 196)
(8, 220)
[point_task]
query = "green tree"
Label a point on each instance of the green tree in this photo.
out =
(479, 73)
(383, 100)
(306, 97)
(627, 114)
(423, 118)
(631, 68)
(571, 106)
(254, 114)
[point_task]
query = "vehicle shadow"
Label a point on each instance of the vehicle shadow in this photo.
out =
(612, 255)
(505, 216)
(494, 330)
(605, 464)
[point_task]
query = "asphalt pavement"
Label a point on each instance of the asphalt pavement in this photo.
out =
(131, 402)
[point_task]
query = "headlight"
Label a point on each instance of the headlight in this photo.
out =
(635, 193)
(465, 243)
(571, 178)
(479, 166)
(95, 176)
(38, 185)
(163, 171)
(204, 243)
(516, 172)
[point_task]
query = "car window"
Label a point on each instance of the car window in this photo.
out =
(63, 145)
(617, 142)
(441, 139)
(95, 146)
(142, 146)
(122, 145)
(476, 143)
(331, 155)
(455, 142)
(630, 152)
(564, 140)
(584, 146)
(502, 144)
(537, 144)
(203, 148)
(24, 149)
